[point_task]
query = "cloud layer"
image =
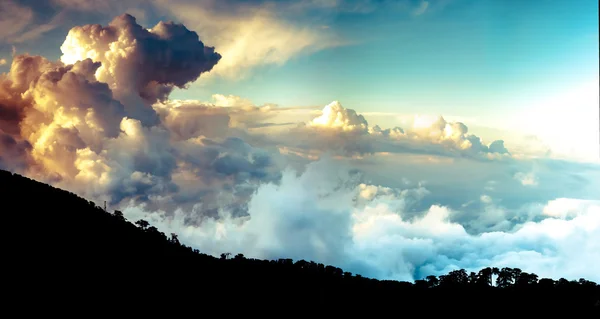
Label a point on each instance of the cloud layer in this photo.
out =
(326, 214)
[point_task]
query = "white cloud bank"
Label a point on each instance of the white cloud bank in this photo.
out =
(327, 215)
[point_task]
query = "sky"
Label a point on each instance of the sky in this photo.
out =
(395, 139)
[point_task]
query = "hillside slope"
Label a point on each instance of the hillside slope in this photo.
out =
(66, 253)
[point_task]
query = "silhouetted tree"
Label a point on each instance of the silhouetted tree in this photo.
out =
(472, 278)
(526, 279)
(224, 256)
(455, 277)
(174, 238)
(562, 283)
(505, 277)
(516, 272)
(484, 277)
(142, 224)
(119, 215)
(302, 264)
(432, 281)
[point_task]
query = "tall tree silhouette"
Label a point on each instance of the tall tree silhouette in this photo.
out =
(484, 277)
(505, 277)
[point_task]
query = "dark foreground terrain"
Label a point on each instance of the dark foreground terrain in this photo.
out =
(65, 255)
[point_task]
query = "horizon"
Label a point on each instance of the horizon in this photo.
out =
(394, 139)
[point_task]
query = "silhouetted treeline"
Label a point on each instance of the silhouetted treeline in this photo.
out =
(62, 253)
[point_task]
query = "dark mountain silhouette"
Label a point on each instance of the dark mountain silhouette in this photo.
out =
(65, 255)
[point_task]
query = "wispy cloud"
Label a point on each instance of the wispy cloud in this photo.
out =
(422, 8)
(14, 18)
(250, 37)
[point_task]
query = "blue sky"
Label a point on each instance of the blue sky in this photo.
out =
(478, 58)
(471, 57)
(483, 60)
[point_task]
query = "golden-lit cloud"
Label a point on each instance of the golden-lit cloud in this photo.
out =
(141, 66)
(87, 117)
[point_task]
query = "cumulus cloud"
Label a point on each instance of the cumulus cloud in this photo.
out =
(14, 154)
(87, 122)
(343, 130)
(336, 116)
(140, 65)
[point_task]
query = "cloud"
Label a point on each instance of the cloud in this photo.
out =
(146, 62)
(2, 61)
(99, 122)
(14, 18)
(567, 208)
(224, 116)
(342, 130)
(86, 5)
(526, 178)
(20, 23)
(328, 215)
(249, 35)
(423, 5)
(336, 116)
(40, 29)
(87, 123)
(14, 154)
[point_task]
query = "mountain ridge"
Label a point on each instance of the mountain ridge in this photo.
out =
(63, 247)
